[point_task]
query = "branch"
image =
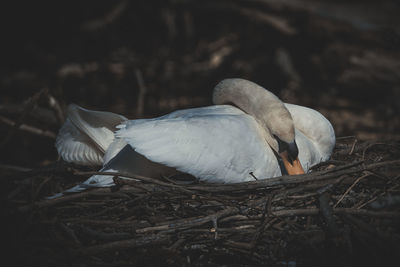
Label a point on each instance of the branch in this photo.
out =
(28, 128)
(125, 244)
(190, 222)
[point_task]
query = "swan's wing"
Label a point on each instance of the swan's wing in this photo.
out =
(113, 149)
(214, 148)
(99, 126)
(75, 147)
(86, 135)
(93, 181)
(203, 111)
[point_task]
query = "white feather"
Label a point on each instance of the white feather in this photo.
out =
(216, 144)
(223, 144)
(93, 181)
(315, 129)
(219, 143)
(73, 146)
(99, 126)
(86, 135)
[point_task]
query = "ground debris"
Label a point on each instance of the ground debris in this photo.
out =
(334, 215)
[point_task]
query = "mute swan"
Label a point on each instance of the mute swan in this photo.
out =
(243, 135)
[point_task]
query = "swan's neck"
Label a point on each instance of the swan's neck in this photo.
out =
(258, 102)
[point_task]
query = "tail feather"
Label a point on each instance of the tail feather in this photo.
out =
(93, 182)
(86, 135)
(99, 126)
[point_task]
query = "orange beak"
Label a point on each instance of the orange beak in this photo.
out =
(292, 168)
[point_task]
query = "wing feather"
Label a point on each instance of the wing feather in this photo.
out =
(75, 147)
(99, 126)
(213, 147)
(86, 135)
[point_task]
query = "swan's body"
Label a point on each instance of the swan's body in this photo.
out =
(220, 143)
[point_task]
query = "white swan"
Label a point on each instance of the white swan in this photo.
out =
(238, 138)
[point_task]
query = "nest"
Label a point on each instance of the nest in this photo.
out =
(345, 212)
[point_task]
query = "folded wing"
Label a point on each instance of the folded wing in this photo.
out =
(212, 146)
(86, 135)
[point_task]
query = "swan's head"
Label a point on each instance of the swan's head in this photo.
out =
(271, 114)
(289, 153)
(279, 133)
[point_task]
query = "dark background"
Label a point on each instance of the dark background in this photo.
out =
(339, 57)
(148, 58)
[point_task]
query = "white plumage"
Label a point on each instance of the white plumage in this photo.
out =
(216, 144)
(73, 146)
(220, 143)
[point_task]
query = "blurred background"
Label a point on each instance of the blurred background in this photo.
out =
(148, 58)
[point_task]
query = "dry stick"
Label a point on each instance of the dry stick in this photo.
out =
(103, 235)
(264, 226)
(262, 183)
(134, 176)
(105, 210)
(14, 168)
(71, 234)
(177, 244)
(240, 245)
(56, 107)
(125, 244)
(28, 128)
(97, 222)
(65, 198)
(361, 205)
(38, 113)
(114, 13)
(342, 167)
(347, 149)
(234, 218)
(374, 198)
(27, 109)
(38, 188)
(345, 137)
(190, 222)
(351, 187)
(294, 179)
(141, 94)
(353, 146)
(283, 180)
(328, 162)
(312, 186)
(196, 221)
(314, 211)
(277, 22)
(369, 146)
